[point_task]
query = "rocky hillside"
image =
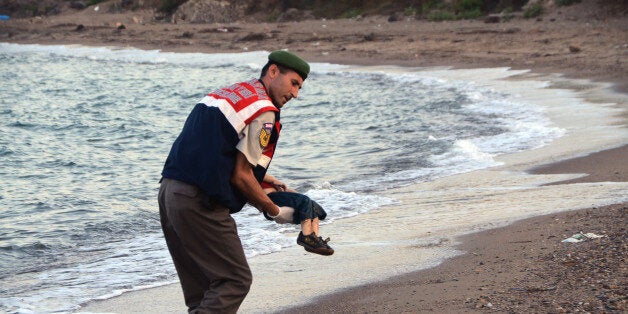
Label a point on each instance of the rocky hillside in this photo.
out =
(223, 11)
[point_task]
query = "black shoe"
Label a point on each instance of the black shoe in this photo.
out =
(314, 244)
(325, 241)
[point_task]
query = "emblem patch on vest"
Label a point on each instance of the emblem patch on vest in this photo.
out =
(264, 134)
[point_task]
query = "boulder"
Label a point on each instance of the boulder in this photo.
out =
(493, 18)
(293, 14)
(78, 5)
(209, 11)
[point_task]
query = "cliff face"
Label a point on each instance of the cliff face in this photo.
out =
(225, 11)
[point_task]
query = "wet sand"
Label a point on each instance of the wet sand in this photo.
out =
(520, 268)
(516, 265)
(388, 260)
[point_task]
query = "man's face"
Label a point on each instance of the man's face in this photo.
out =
(283, 86)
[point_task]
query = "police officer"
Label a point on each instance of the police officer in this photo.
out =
(214, 167)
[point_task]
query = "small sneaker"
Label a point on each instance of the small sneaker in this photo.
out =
(314, 244)
(326, 240)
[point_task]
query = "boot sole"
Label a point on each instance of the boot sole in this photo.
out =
(320, 251)
(325, 252)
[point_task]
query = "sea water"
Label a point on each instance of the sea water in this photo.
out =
(84, 133)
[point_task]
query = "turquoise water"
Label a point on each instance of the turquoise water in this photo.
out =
(84, 133)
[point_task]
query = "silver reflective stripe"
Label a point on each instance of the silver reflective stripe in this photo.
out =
(236, 119)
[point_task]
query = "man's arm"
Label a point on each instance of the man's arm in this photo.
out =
(244, 180)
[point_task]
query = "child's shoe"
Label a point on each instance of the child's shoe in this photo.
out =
(314, 244)
(325, 241)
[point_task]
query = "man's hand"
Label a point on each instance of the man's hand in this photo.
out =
(244, 180)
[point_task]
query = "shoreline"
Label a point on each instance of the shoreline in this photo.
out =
(575, 41)
(522, 267)
(494, 269)
(473, 281)
(515, 187)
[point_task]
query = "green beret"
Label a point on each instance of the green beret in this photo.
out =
(291, 61)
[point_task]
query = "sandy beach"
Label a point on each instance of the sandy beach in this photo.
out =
(514, 263)
(510, 265)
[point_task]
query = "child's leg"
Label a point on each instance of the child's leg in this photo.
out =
(315, 226)
(306, 226)
(309, 226)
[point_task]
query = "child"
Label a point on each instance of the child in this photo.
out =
(306, 212)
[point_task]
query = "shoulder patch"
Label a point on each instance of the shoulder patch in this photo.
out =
(264, 134)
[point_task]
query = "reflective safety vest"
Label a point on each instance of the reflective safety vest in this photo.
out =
(204, 153)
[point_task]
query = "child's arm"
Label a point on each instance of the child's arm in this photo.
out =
(279, 186)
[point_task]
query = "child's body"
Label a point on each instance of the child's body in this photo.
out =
(306, 212)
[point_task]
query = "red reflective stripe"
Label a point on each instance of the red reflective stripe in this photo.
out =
(241, 103)
(269, 151)
(259, 112)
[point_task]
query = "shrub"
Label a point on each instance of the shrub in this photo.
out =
(464, 6)
(352, 13)
(169, 6)
(439, 10)
(508, 15)
(533, 11)
(433, 5)
(410, 11)
(438, 15)
(273, 16)
(565, 2)
(92, 2)
(472, 14)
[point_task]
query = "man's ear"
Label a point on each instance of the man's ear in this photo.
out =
(273, 71)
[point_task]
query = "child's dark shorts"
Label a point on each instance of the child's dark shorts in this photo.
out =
(304, 207)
